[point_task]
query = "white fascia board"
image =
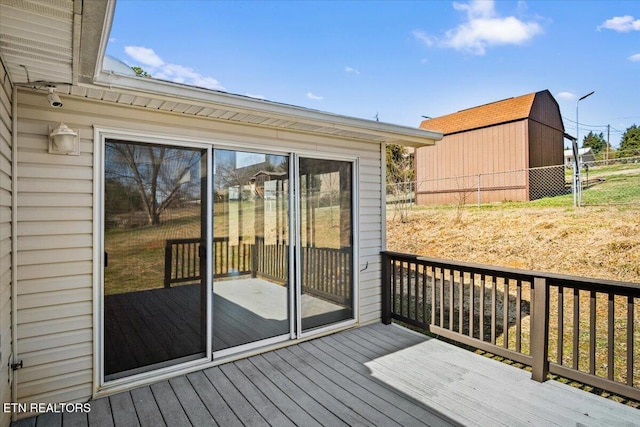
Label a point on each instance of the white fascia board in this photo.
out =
(392, 134)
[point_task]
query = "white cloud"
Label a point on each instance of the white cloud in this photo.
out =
(483, 28)
(351, 70)
(567, 96)
(424, 38)
(144, 55)
(634, 58)
(621, 24)
(159, 69)
(314, 97)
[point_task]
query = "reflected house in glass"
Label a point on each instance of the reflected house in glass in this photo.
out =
(195, 226)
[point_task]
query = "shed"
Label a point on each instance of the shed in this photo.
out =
(498, 148)
(182, 227)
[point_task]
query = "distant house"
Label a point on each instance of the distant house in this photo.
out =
(584, 155)
(484, 146)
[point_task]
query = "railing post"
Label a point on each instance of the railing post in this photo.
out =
(386, 290)
(540, 331)
(167, 264)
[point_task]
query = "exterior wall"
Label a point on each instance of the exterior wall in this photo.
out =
(467, 154)
(6, 171)
(55, 237)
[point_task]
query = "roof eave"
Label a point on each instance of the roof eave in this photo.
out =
(376, 131)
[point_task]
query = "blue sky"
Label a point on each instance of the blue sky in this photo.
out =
(397, 60)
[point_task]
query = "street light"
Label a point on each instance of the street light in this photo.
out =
(577, 184)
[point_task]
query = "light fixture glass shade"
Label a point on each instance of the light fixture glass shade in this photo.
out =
(65, 140)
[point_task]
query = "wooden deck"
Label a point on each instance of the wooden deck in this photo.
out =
(376, 375)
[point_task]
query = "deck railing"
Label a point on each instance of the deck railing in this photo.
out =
(326, 271)
(583, 329)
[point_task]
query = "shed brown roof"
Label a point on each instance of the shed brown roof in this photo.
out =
(507, 110)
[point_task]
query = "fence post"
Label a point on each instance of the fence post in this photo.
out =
(540, 331)
(479, 195)
(386, 290)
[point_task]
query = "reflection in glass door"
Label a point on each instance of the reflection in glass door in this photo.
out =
(250, 248)
(326, 249)
(155, 281)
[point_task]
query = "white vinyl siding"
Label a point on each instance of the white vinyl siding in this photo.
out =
(55, 229)
(6, 171)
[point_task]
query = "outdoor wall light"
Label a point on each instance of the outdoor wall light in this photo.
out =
(53, 98)
(63, 140)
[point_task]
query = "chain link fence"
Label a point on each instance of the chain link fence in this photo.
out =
(615, 181)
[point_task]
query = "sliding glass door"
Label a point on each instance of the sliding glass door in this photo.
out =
(209, 252)
(250, 248)
(326, 242)
(155, 275)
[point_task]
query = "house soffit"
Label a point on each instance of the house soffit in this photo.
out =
(221, 106)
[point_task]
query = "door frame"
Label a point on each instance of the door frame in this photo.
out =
(355, 214)
(101, 135)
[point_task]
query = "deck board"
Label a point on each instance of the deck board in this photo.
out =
(375, 376)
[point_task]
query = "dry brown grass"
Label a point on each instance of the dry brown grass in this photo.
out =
(598, 242)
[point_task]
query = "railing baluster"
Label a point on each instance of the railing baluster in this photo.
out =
(401, 288)
(394, 280)
(441, 297)
(433, 295)
(416, 291)
(610, 335)
(630, 334)
(519, 316)
(592, 333)
(560, 324)
(481, 310)
(460, 302)
(505, 313)
(576, 327)
(409, 288)
(451, 299)
(472, 302)
(424, 295)
(494, 284)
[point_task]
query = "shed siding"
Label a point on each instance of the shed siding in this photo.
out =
(55, 281)
(545, 110)
(448, 171)
(6, 171)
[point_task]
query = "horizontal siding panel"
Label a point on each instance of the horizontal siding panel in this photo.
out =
(42, 228)
(54, 270)
(5, 181)
(54, 312)
(55, 214)
(29, 170)
(48, 299)
(28, 373)
(36, 329)
(76, 393)
(45, 158)
(51, 185)
(55, 340)
(50, 284)
(26, 243)
(42, 257)
(33, 389)
(59, 199)
(50, 355)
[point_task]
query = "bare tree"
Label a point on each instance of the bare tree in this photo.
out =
(159, 174)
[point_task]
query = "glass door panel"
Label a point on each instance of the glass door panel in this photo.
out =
(155, 286)
(326, 253)
(250, 248)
